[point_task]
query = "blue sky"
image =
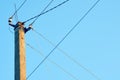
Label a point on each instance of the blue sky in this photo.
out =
(95, 43)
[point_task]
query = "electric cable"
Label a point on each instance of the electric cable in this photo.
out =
(60, 67)
(34, 49)
(43, 11)
(10, 30)
(46, 11)
(19, 8)
(16, 16)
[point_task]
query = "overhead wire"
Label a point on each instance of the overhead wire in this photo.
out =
(10, 30)
(34, 49)
(64, 37)
(46, 11)
(43, 11)
(16, 16)
(16, 10)
(60, 67)
(68, 56)
(27, 44)
(19, 8)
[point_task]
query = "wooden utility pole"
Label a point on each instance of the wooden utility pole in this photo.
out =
(20, 59)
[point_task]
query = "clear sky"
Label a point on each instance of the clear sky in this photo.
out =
(95, 43)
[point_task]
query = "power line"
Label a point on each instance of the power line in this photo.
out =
(10, 30)
(46, 11)
(68, 56)
(16, 16)
(75, 78)
(35, 49)
(19, 8)
(43, 11)
(65, 71)
(64, 37)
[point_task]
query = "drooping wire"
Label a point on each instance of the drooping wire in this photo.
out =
(19, 8)
(51, 61)
(46, 11)
(68, 56)
(64, 37)
(43, 11)
(34, 49)
(68, 73)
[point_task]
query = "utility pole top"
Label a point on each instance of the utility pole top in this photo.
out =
(19, 25)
